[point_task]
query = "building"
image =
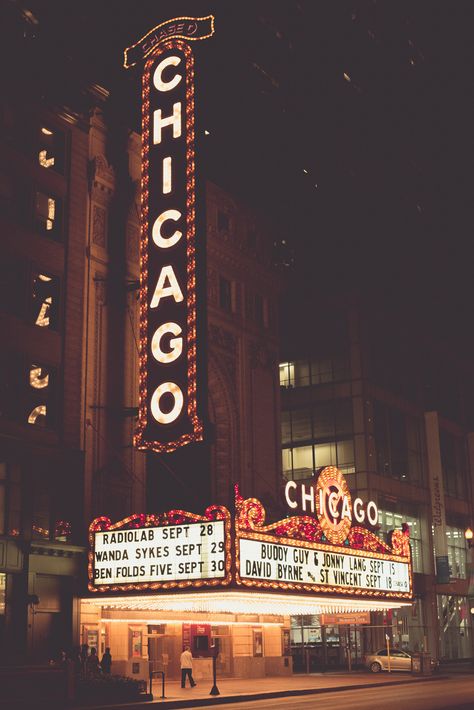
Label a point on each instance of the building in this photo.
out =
(70, 230)
(365, 392)
(43, 225)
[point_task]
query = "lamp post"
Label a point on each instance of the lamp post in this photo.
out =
(468, 534)
(214, 689)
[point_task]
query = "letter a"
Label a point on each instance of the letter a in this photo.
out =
(162, 291)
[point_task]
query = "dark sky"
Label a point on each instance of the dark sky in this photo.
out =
(350, 123)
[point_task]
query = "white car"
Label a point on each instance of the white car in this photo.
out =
(399, 661)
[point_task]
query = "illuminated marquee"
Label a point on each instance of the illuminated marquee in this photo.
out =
(324, 552)
(173, 550)
(168, 415)
(179, 550)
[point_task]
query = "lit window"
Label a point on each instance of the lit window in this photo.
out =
(38, 415)
(457, 553)
(45, 294)
(40, 408)
(50, 148)
(287, 374)
(39, 377)
(47, 213)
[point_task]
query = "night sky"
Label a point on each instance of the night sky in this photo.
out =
(349, 123)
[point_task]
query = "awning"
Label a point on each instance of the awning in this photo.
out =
(236, 602)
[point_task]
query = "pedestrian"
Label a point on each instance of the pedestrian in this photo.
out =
(84, 655)
(187, 667)
(77, 659)
(106, 662)
(92, 664)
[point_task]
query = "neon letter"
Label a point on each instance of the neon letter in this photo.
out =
(157, 74)
(333, 501)
(173, 120)
(159, 415)
(307, 497)
(167, 179)
(372, 513)
(346, 510)
(176, 344)
(291, 503)
(158, 238)
(359, 514)
(162, 291)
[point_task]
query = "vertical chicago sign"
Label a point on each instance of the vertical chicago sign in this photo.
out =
(168, 416)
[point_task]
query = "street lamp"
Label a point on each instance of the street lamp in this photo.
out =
(468, 534)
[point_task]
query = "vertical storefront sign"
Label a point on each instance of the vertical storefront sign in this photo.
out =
(168, 414)
(438, 515)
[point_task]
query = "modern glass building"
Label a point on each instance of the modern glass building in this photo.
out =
(396, 424)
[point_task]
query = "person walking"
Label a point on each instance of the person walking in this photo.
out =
(106, 662)
(187, 667)
(93, 665)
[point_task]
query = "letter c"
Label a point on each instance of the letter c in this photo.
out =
(157, 74)
(158, 238)
(332, 500)
(291, 503)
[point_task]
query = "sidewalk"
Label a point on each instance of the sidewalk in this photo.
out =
(245, 690)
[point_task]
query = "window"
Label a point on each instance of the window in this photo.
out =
(41, 396)
(45, 300)
(287, 374)
(51, 148)
(223, 221)
(300, 422)
(389, 520)
(302, 373)
(47, 214)
(225, 294)
(455, 627)
(10, 499)
(399, 443)
(317, 436)
(13, 285)
(41, 514)
(453, 462)
(457, 553)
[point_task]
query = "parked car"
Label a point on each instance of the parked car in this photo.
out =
(399, 661)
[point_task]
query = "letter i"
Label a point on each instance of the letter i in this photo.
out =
(167, 177)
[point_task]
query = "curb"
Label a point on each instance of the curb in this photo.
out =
(247, 697)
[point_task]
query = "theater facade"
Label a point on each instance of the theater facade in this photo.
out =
(228, 583)
(222, 579)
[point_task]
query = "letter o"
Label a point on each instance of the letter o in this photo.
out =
(176, 344)
(291, 503)
(372, 517)
(158, 238)
(158, 414)
(158, 81)
(359, 513)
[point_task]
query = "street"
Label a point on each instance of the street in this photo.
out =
(451, 694)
